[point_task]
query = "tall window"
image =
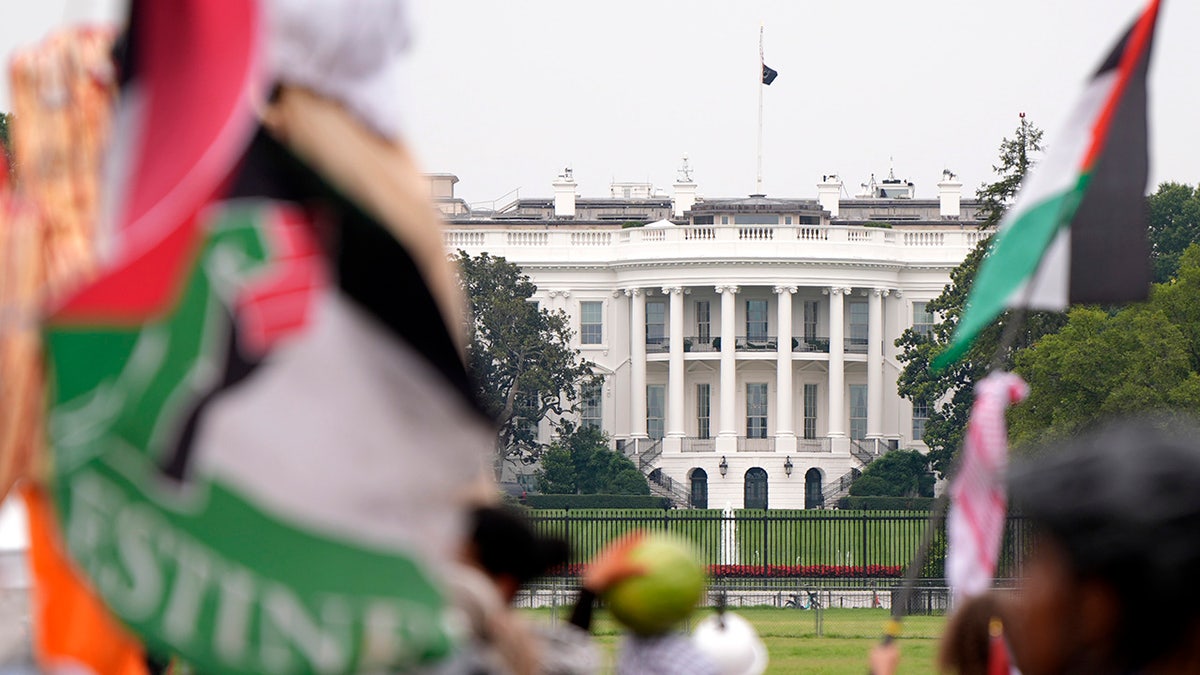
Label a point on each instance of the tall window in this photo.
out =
(656, 394)
(813, 497)
(703, 411)
(756, 489)
(919, 417)
(756, 410)
(699, 489)
(756, 320)
(591, 410)
(858, 323)
(703, 321)
(922, 320)
(810, 319)
(591, 322)
(858, 411)
(656, 326)
(810, 411)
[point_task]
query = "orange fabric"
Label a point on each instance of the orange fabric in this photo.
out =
(71, 625)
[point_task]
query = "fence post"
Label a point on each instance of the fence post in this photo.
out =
(764, 542)
(864, 543)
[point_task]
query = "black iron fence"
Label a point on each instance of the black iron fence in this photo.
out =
(783, 544)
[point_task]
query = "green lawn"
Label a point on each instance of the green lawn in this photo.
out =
(791, 638)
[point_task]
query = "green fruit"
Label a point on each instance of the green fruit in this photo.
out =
(673, 582)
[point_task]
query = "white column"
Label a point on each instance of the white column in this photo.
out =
(837, 358)
(875, 362)
(675, 423)
(785, 430)
(727, 421)
(637, 362)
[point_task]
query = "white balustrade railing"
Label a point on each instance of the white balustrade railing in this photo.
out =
(599, 243)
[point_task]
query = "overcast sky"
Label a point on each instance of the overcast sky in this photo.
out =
(504, 94)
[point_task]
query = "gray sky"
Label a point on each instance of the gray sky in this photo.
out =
(506, 94)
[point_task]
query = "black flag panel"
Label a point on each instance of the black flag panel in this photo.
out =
(769, 74)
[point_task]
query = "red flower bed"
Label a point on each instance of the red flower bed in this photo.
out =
(774, 571)
(811, 571)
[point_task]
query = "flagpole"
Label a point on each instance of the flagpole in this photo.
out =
(758, 189)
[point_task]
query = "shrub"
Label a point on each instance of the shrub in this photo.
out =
(886, 503)
(597, 502)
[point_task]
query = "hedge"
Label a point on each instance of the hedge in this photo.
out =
(597, 502)
(886, 503)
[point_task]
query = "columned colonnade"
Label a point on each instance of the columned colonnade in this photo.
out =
(727, 423)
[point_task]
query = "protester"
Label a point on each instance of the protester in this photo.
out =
(659, 654)
(1111, 585)
(973, 642)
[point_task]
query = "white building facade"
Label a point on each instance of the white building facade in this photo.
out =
(747, 345)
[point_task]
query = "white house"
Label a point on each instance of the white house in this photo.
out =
(747, 345)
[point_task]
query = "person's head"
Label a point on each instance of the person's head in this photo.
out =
(1111, 584)
(507, 548)
(967, 641)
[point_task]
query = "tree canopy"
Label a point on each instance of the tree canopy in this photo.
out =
(1142, 358)
(950, 393)
(1174, 213)
(579, 462)
(900, 473)
(1017, 155)
(519, 355)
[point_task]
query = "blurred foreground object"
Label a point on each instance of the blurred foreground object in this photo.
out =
(62, 93)
(1111, 585)
(1077, 231)
(264, 440)
(666, 590)
(732, 644)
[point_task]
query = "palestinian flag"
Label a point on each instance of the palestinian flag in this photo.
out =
(262, 432)
(1077, 231)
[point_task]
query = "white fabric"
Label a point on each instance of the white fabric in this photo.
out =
(732, 644)
(978, 500)
(348, 50)
(348, 431)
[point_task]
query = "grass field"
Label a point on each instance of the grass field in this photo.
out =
(792, 640)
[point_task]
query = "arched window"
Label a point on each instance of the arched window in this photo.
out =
(756, 489)
(699, 489)
(813, 497)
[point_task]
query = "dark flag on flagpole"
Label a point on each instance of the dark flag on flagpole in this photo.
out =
(768, 74)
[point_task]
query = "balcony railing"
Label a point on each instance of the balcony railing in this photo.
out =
(856, 345)
(811, 344)
(745, 444)
(701, 344)
(699, 445)
(657, 345)
(757, 343)
(814, 445)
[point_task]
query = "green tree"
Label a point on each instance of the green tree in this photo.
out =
(520, 356)
(1143, 358)
(950, 393)
(580, 462)
(900, 473)
(1017, 156)
(1174, 211)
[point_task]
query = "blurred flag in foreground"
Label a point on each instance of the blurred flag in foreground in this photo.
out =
(978, 501)
(1077, 232)
(262, 431)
